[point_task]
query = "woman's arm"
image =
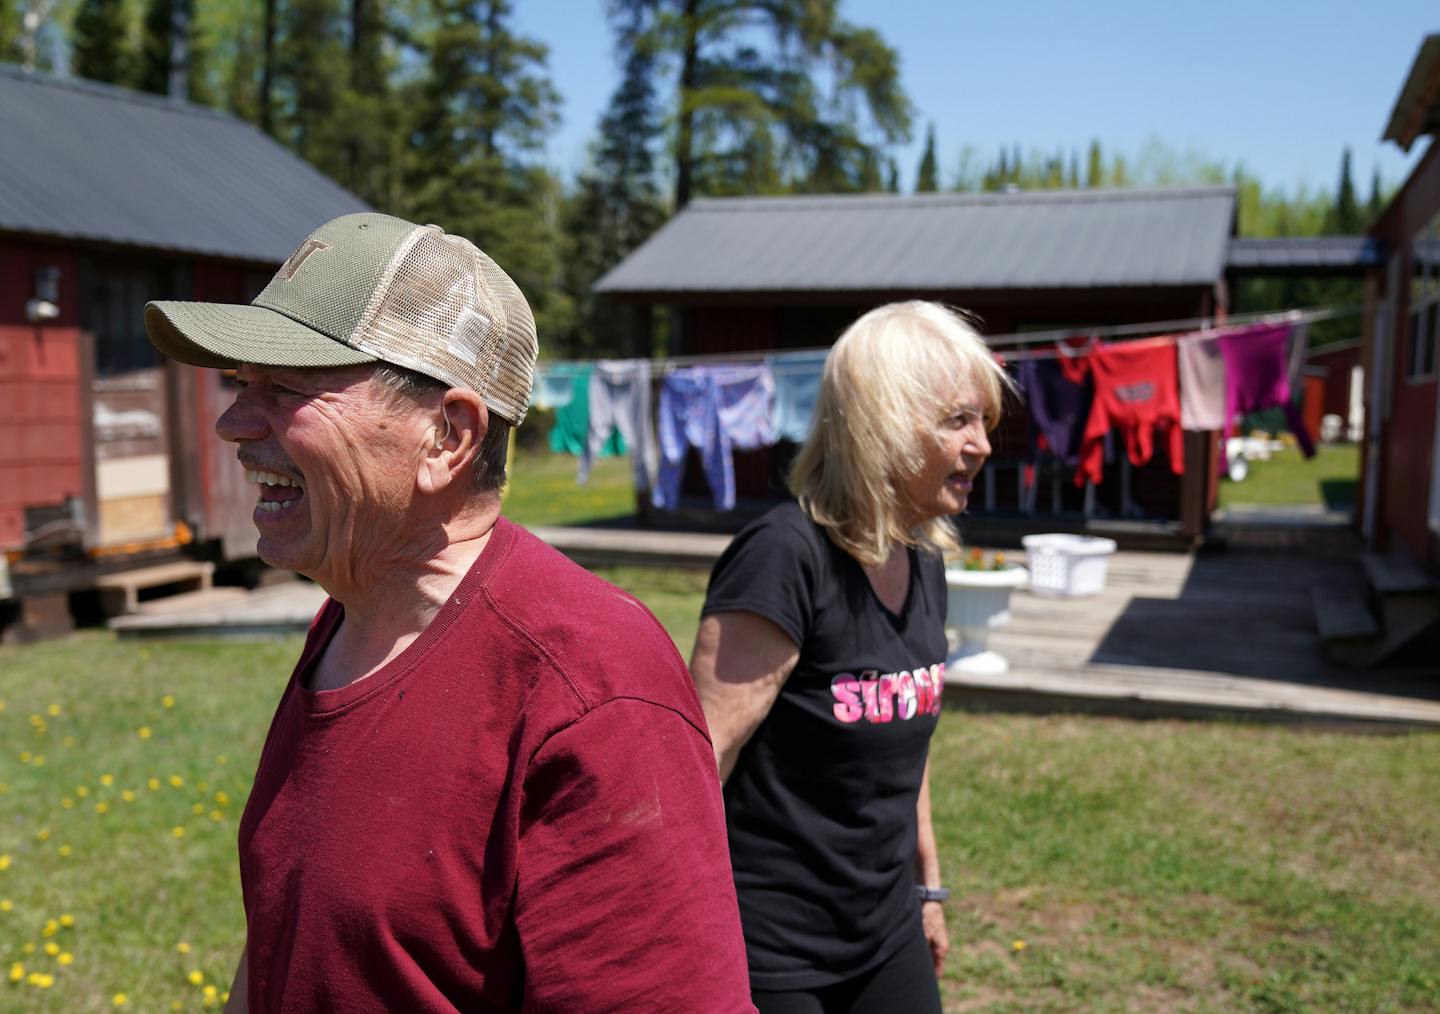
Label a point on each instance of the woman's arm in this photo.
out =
(740, 662)
(927, 872)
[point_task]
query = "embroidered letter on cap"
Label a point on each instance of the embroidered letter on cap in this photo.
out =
(300, 256)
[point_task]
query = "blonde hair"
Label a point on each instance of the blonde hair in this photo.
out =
(882, 397)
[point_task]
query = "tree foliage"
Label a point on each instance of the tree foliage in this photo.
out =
(100, 42)
(774, 95)
(927, 176)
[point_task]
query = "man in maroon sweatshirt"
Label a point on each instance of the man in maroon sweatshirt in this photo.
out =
(488, 784)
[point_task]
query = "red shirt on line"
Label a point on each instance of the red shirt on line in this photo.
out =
(521, 811)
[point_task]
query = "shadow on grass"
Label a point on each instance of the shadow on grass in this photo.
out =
(1250, 613)
(1338, 494)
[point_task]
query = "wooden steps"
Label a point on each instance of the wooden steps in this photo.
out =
(1365, 628)
(120, 591)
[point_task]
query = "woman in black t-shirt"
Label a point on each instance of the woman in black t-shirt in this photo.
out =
(820, 664)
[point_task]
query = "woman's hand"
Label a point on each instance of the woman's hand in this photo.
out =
(932, 920)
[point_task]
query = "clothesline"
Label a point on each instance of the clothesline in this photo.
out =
(1304, 315)
(1300, 315)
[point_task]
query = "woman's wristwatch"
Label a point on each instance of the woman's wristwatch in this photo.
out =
(931, 893)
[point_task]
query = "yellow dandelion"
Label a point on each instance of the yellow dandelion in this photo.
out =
(153, 784)
(102, 807)
(64, 851)
(176, 1005)
(52, 948)
(2, 704)
(167, 701)
(43, 834)
(223, 798)
(39, 760)
(220, 758)
(36, 720)
(176, 781)
(68, 803)
(40, 980)
(65, 958)
(1018, 945)
(82, 791)
(67, 920)
(50, 928)
(5, 861)
(143, 732)
(29, 947)
(25, 757)
(107, 779)
(178, 831)
(183, 947)
(119, 999)
(210, 992)
(4, 788)
(216, 815)
(197, 808)
(17, 972)
(127, 795)
(6, 905)
(68, 741)
(53, 711)
(225, 997)
(196, 977)
(202, 786)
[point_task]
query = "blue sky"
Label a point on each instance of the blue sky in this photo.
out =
(1280, 87)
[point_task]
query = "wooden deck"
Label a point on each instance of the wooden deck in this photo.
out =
(1208, 634)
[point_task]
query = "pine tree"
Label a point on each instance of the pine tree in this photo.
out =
(99, 38)
(1095, 166)
(927, 176)
(1376, 204)
(617, 203)
(775, 94)
(477, 121)
(1345, 217)
(153, 65)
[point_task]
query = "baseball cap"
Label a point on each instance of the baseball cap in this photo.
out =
(370, 287)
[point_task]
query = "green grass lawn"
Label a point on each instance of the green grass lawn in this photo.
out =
(1098, 864)
(1326, 480)
(542, 490)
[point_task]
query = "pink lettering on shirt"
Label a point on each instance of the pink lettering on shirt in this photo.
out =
(906, 701)
(867, 688)
(845, 688)
(887, 697)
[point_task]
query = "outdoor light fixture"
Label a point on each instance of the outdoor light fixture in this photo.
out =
(45, 304)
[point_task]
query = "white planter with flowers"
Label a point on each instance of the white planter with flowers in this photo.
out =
(979, 601)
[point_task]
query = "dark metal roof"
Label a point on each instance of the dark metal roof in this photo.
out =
(1417, 110)
(87, 161)
(1302, 254)
(936, 242)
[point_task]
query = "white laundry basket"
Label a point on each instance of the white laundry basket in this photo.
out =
(1067, 565)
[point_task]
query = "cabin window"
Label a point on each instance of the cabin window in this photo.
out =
(1424, 302)
(116, 314)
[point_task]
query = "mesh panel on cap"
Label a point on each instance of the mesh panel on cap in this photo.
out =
(449, 312)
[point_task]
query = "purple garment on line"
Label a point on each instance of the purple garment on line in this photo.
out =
(689, 416)
(1059, 408)
(1257, 377)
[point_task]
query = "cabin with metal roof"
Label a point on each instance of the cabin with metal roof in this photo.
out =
(761, 273)
(110, 198)
(1400, 471)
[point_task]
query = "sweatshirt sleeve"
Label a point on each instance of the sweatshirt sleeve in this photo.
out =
(625, 900)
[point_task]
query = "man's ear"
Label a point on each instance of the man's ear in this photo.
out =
(455, 436)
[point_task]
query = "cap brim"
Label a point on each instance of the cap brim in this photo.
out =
(225, 335)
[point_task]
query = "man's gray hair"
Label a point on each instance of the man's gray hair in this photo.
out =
(489, 459)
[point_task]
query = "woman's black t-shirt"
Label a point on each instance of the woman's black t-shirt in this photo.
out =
(820, 807)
